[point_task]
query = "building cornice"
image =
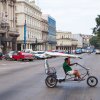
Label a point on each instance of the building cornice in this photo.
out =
(67, 39)
(28, 15)
(28, 3)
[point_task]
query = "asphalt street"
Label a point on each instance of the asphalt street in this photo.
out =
(26, 80)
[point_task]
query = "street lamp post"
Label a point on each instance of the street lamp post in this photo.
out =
(36, 44)
(25, 35)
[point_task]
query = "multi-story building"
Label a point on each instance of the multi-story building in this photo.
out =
(83, 40)
(8, 33)
(65, 42)
(51, 32)
(86, 40)
(29, 25)
(79, 38)
(44, 34)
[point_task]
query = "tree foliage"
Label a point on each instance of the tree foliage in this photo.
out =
(96, 30)
(95, 41)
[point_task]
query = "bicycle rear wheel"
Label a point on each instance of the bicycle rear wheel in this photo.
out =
(51, 81)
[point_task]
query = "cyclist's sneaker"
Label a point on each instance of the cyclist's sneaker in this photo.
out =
(61, 80)
(75, 79)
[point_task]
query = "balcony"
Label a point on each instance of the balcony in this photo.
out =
(6, 0)
(4, 27)
(13, 33)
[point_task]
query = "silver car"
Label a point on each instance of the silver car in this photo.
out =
(97, 51)
(8, 56)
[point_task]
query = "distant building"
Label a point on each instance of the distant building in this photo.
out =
(65, 41)
(51, 32)
(83, 40)
(29, 25)
(8, 32)
(79, 39)
(86, 40)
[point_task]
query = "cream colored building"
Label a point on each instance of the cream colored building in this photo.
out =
(79, 39)
(8, 32)
(65, 42)
(27, 11)
(45, 34)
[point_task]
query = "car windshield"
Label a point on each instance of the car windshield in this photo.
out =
(0, 54)
(11, 52)
(40, 52)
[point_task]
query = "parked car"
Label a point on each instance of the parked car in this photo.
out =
(1, 55)
(8, 56)
(22, 56)
(33, 53)
(41, 55)
(97, 51)
(84, 50)
(78, 51)
(27, 50)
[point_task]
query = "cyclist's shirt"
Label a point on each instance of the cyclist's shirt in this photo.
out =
(66, 67)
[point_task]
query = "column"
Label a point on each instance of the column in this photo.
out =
(14, 44)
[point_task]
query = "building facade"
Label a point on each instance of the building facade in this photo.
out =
(65, 41)
(79, 39)
(86, 40)
(8, 32)
(29, 25)
(83, 40)
(44, 34)
(51, 32)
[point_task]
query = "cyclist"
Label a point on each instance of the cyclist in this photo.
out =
(68, 69)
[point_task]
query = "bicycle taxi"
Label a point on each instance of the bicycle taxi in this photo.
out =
(52, 80)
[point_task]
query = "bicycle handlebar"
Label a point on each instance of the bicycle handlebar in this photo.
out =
(82, 66)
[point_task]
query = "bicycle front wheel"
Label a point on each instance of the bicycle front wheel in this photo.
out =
(92, 81)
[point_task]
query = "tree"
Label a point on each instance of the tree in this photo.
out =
(95, 41)
(96, 30)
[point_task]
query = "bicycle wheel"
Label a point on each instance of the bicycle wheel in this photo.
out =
(51, 81)
(92, 81)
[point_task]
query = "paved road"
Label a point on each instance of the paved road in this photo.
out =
(25, 81)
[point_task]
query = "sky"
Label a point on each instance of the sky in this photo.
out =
(76, 16)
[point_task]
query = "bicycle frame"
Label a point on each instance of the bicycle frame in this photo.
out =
(71, 78)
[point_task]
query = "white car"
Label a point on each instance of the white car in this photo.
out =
(97, 51)
(27, 50)
(40, 55)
